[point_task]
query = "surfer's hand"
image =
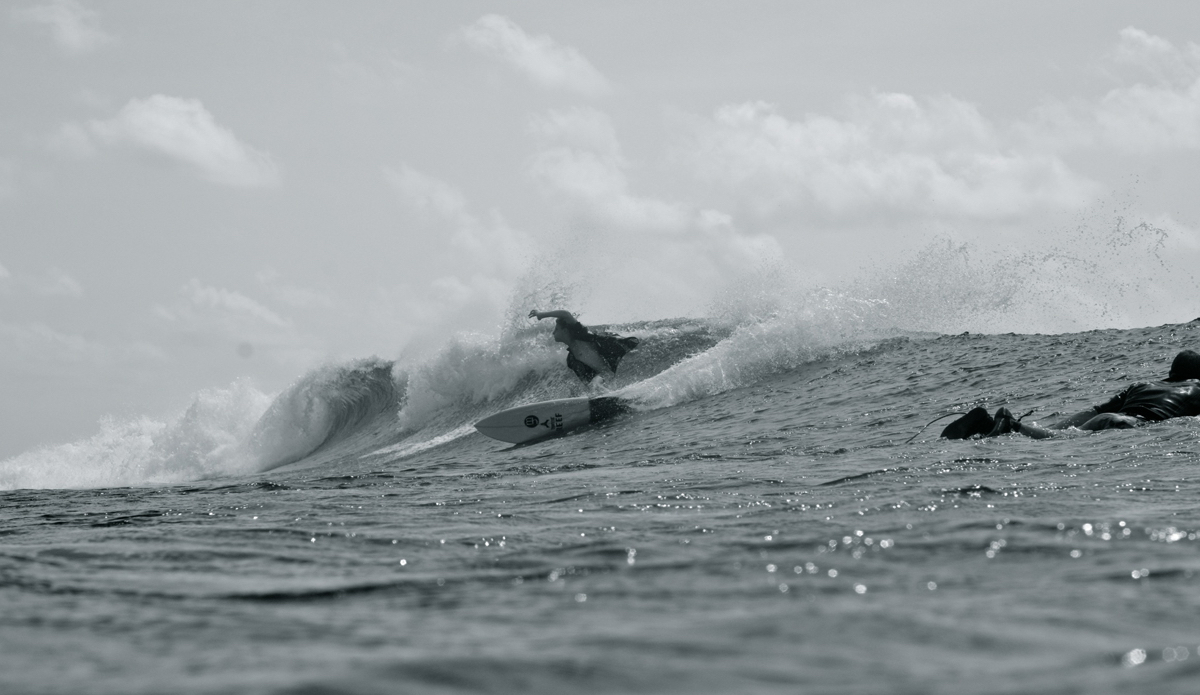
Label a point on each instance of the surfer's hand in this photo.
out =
(533, 314)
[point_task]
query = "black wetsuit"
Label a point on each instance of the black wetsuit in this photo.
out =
(1155, 401)
(611, 348)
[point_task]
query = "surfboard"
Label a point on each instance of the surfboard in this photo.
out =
(529, 423)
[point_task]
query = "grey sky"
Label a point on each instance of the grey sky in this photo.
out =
(192, 193)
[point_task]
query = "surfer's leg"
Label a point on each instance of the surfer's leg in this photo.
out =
(1110, 421)
(1075, 420)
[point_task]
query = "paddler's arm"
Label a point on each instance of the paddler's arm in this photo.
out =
(553, 314)
(1076, 420)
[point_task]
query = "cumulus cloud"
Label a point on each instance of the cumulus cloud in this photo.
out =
(580, 159)
(673, 252)
(1160, 112)
(75, 28)
(892, 153)
(469, 266)
(1158, 57)
(486, 245)
(540, 58)
(182, 130)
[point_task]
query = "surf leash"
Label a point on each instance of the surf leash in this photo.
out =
(920, 431)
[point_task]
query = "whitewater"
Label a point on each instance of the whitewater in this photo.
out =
(772, 516)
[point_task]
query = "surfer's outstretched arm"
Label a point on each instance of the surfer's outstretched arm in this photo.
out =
(553, 314)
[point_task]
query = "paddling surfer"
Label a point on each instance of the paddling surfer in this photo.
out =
(589, 354)
(1176, 396)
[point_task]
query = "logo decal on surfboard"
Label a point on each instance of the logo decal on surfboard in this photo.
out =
(554, 422)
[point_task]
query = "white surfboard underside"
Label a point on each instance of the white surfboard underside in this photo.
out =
(527, 423)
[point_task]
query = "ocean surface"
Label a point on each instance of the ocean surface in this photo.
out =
(771, 518)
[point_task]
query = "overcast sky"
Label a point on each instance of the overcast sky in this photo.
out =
(196, 192)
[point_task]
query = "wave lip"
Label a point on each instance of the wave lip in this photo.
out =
(326, 406)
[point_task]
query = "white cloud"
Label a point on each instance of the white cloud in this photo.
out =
(893, 154)
(219, 318)
(238, 307)
(56, 283)
(1160, 114)
(291, 294)
(662, 255)
(489, 245)
(1158, 57)
(540, 58)
(183, 130)
(75, 28)
(466, 279)
(581, 160)
(367, 77)
(207, 311)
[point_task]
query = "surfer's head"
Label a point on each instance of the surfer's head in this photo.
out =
(1186, 366)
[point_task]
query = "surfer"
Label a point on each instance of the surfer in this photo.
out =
(1176, 396)
(589, 354)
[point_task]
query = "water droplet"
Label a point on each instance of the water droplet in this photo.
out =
(1134, 657)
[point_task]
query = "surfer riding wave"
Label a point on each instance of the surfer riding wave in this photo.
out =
(589, 353)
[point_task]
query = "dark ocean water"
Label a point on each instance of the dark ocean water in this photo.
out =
(760, 524)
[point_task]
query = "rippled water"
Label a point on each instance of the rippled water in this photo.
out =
(780, 536)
